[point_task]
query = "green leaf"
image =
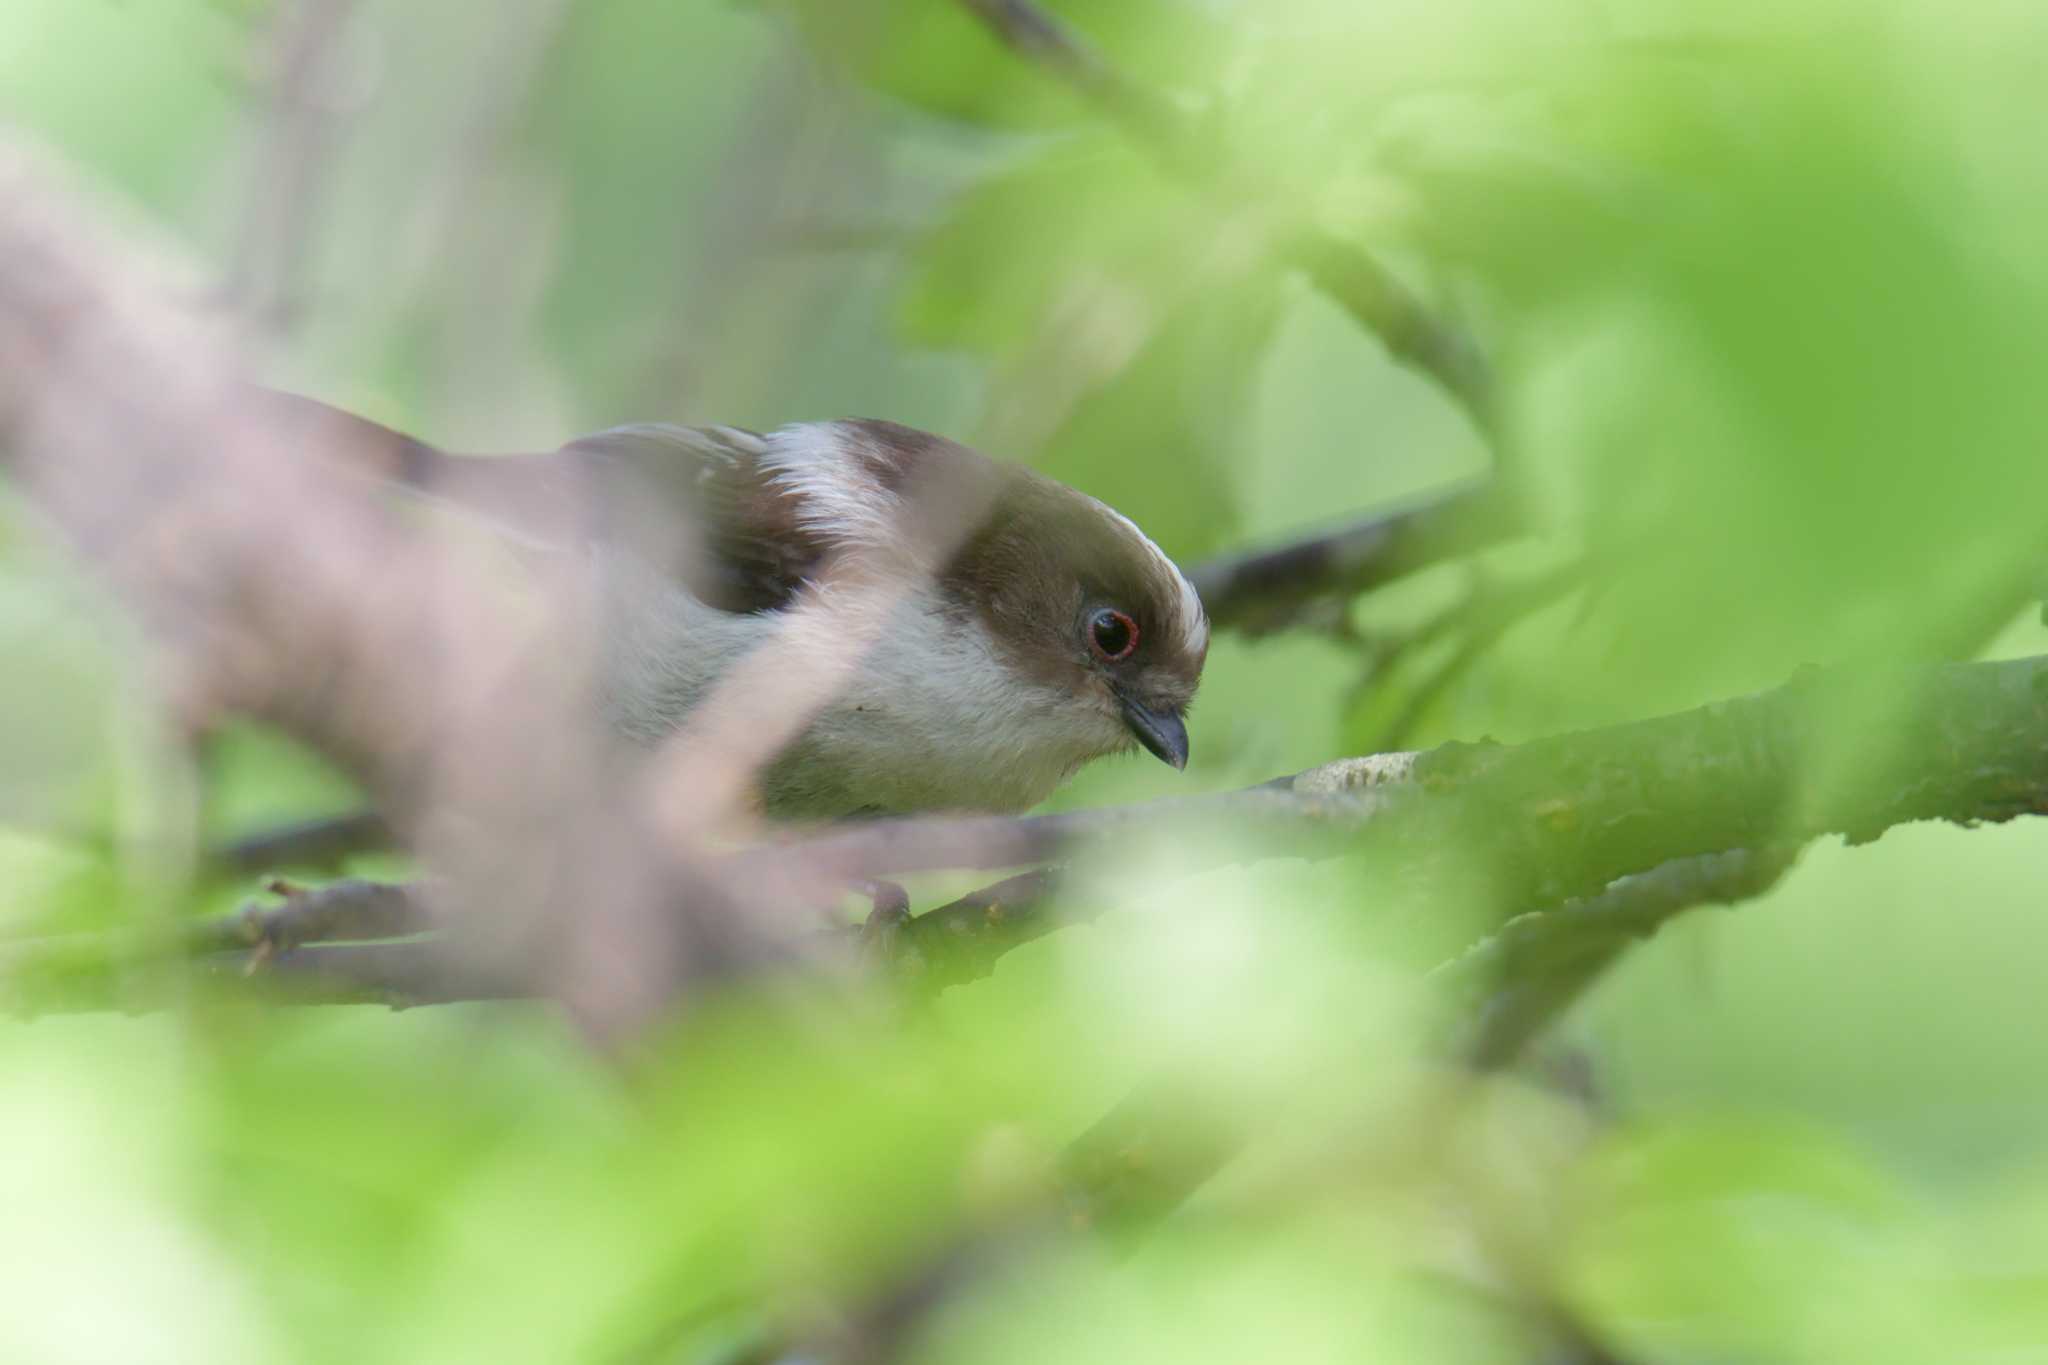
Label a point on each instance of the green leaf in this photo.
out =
(1161, 442)
(1088, 223)
(1129, 321)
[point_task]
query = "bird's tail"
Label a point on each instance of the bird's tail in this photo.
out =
(371, 446)
(530, 492)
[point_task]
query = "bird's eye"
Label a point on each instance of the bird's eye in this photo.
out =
(1113, 634)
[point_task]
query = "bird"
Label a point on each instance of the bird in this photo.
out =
(1028, 628)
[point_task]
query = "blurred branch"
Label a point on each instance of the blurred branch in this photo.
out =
(1343, 271)
(316, 949)
(1507, 989)
(961, 941)
(1142, 1159)
(1041, 37)
(396, 975)
(351, 909)
(259, 947)
(1264, 590)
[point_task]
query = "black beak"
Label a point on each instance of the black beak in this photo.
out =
(1162, 732)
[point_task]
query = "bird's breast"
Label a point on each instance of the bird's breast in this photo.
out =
(900, 710)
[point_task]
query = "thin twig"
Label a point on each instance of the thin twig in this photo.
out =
(1511, 987)
(961, 941)
(1265, 590)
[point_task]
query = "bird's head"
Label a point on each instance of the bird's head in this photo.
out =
(1080, 603)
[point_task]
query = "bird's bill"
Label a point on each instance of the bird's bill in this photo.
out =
(1164, 733)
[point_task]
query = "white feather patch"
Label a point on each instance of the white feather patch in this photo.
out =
(1190, 619)
(836, 497)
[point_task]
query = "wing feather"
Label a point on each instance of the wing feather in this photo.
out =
(748, 547)
(707, 505)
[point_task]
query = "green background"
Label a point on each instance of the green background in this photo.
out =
(1765, 286)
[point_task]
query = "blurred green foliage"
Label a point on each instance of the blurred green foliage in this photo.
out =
(1766, 288)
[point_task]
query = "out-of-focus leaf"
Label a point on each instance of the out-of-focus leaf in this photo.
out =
(1793, 375)
(1759, 1242)
(1089, 223)
(1161, 440)
(1132, 323)
(1310, 1293)
(94, 1133)
(1996, 1292)
(60, 694)
(936, 56)
(258, 779)
(94, 807)
(1772, 353)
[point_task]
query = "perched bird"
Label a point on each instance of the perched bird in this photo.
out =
(1031, 628)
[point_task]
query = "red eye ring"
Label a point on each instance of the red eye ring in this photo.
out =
(1112, 634)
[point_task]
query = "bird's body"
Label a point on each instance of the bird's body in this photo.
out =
(921, 727)
(992, 630)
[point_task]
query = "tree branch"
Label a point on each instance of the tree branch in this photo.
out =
(1509, 988)
(1261, 591)
(1536, 825)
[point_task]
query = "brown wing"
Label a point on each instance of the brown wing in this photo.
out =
(706, 492)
